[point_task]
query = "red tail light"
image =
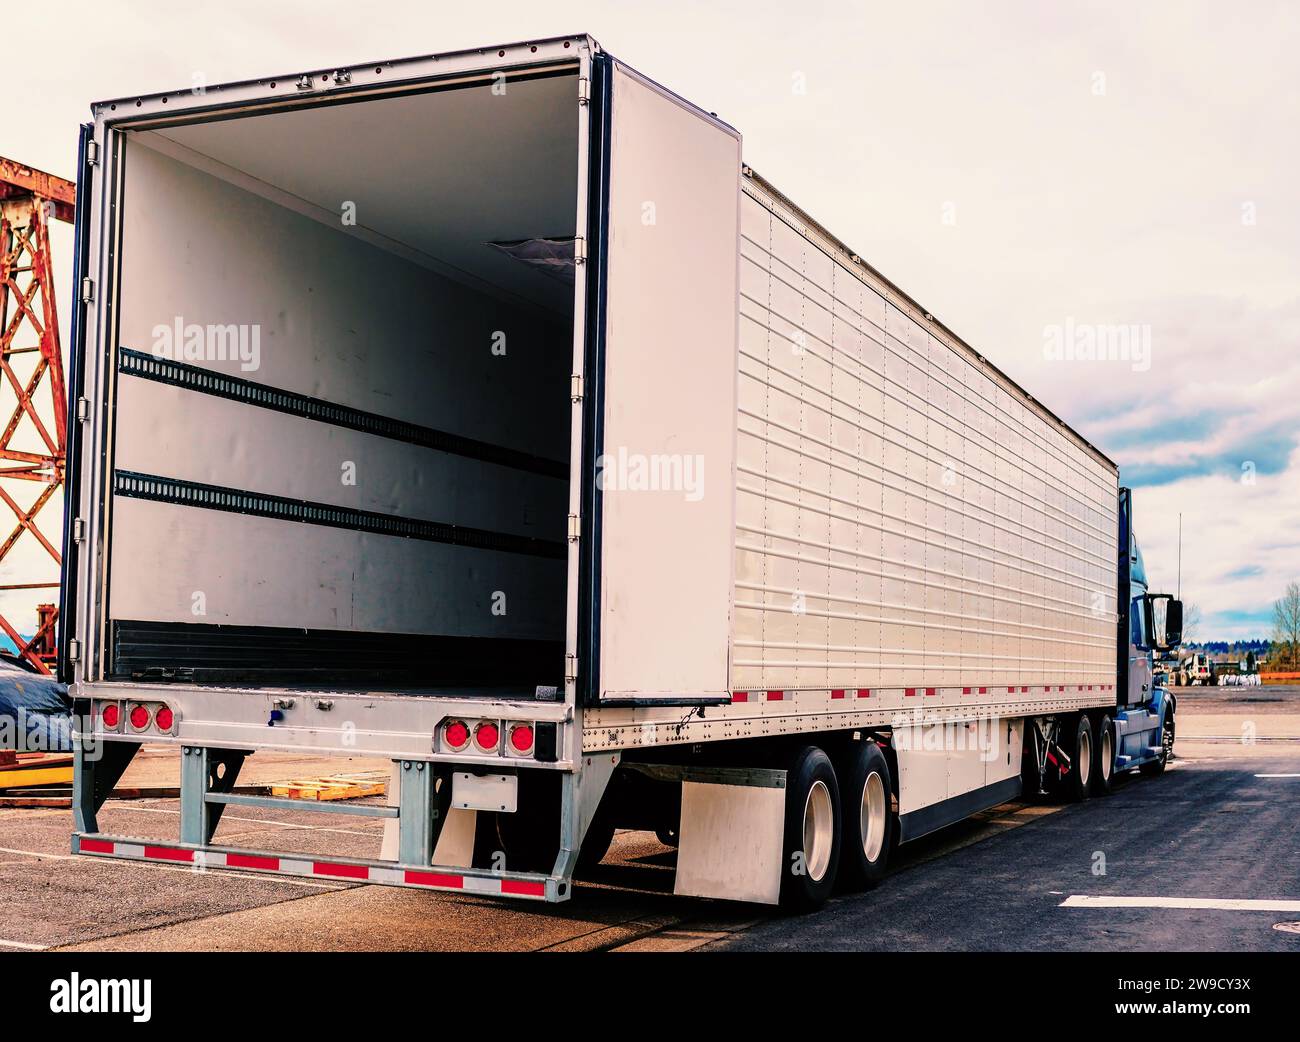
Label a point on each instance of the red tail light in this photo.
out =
(164, 718)
(139, 718)
(487, 736)
(521, 738)
(110, 715)
(456, 735)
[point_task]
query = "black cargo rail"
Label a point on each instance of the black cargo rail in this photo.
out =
(247, 392)
(157, 489)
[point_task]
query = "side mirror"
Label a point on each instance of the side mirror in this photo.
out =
(1164, 620)
(1174, 623)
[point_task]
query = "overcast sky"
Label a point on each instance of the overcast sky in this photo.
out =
(1024, 169)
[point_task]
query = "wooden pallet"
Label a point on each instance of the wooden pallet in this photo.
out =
(334, 787)
(29, 770)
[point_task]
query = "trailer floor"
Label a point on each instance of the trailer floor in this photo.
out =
(1208, 828)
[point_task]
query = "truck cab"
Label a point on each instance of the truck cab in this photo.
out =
(1150, 625)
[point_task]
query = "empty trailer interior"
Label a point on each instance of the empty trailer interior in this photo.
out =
(342, 417)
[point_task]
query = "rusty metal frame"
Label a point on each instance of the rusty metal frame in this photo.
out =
(29, 199)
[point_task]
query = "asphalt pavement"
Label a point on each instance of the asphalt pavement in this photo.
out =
(1221, 831)
(1219, 828)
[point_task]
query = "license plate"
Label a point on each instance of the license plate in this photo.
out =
(498, 792)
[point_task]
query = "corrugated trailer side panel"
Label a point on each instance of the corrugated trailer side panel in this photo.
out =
(905, 518)
(914, 534)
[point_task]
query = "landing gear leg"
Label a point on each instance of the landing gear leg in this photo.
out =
(1041, 739)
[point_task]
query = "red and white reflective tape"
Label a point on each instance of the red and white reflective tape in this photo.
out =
(359, 872)
(841, 693)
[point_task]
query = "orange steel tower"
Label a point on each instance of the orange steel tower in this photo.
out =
(33, 398)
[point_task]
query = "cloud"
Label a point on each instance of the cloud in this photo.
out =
(1240, 545)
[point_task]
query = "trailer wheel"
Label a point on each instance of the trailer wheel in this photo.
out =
(1078, 747)
(811, 851)
(1103, 767)
(530, 837)
(866, 815)
(596, 843)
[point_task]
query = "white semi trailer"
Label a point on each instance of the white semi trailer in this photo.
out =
(485, 413)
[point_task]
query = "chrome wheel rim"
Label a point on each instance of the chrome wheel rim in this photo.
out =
(1085, 756)
(871, 817)
(1107, 754)
(818, 830)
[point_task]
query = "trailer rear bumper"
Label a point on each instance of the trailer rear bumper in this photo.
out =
(486, 882)
(429, 843)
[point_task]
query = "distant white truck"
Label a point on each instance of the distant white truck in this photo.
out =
(1197, 670)
(485, 413)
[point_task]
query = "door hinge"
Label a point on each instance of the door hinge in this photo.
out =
(570, 667)
(74, 650)
(87, 290)
(575, 527)
(575, 387)
(584, 90)
(579, 250)
(78, 529)
(83, 409)
(92, 153)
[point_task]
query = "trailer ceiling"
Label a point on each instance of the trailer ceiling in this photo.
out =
(441, 173)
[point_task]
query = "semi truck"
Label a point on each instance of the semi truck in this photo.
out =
(485, 413)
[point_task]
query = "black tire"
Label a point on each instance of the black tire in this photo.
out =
(1077, 743)
(530, 837)
(1158, 765)
(596, 843)
(812, 807)
(1103, 757)
(867, 817)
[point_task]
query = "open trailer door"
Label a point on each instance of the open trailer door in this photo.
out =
(664, 478)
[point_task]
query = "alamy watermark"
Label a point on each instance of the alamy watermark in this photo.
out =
(1073, 341)
(982, 735)
(183, 341)
(625, 471)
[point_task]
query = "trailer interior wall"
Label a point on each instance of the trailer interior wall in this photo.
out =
(377, 490)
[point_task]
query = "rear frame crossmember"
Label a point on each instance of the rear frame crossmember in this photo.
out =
(208, 777)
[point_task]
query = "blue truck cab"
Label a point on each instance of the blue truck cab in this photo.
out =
(1148, 625)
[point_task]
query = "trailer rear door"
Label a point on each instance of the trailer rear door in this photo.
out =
(665, 482)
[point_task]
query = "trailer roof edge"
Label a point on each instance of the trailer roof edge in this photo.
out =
(140, 100)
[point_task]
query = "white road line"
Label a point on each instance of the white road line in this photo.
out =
(24, 947)
(269, 821)
(1277, 776)
(1226, 904)
(40, 854)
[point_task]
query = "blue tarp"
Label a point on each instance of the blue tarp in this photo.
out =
(35, 712)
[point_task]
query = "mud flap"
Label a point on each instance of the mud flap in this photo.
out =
(731, 835)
